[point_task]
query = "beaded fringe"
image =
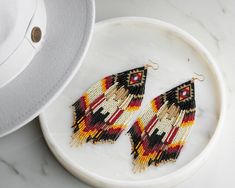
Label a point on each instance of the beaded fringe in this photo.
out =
(102, 113)
(161, 130)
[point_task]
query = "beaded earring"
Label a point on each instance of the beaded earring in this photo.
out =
(104, 110)
(160, 132)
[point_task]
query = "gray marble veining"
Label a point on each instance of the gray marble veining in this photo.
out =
(25, 160)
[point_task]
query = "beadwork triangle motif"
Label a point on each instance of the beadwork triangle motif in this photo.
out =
(104, 110)
(161, 130)
(135, 77)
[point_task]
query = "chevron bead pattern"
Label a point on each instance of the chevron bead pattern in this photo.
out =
(161, 130)
(104, 110)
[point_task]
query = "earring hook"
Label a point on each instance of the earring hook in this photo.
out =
(152, 64)
(199, 77)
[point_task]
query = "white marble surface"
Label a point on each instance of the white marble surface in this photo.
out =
(25, 160)
(118, 45)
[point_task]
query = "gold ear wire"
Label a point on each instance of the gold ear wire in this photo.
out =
(152, 65)
(199, 77)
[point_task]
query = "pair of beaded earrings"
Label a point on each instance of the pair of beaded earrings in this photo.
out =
(160, 131)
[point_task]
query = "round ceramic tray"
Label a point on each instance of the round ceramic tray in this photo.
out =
(121, 44)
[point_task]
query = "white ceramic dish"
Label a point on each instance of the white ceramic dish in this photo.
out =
(120, 44)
